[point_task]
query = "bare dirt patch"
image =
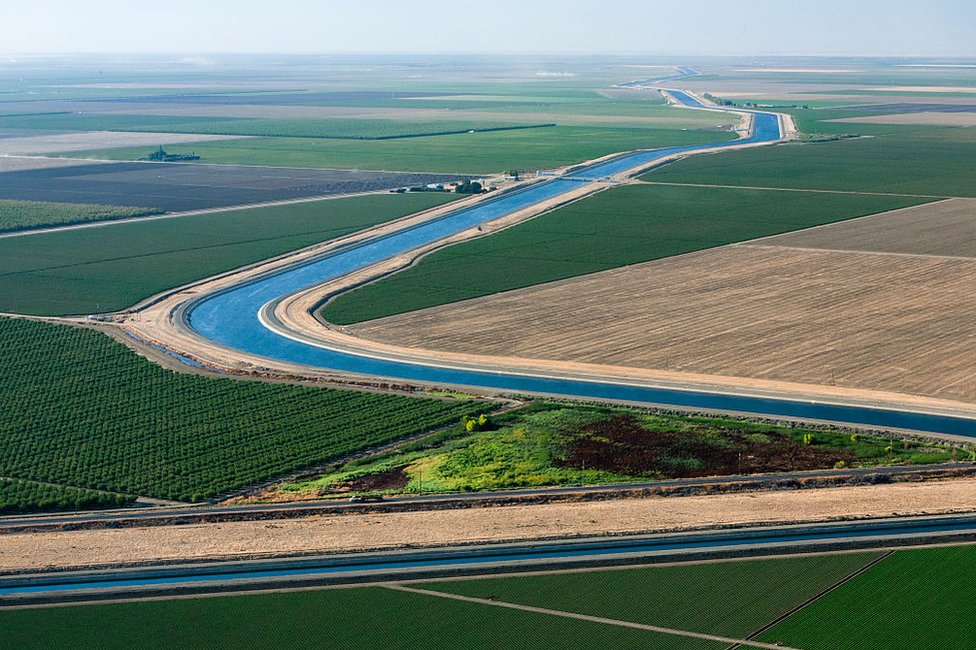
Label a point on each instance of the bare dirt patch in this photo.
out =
(438, 527)
(19, 164)
(934, 118)
(943, 228)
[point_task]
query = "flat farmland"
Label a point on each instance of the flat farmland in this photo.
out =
(946, 228)
(113, 267)
(175, 187)
(40, 143)
(82, 411)
(469, 153)
(624, 225)
(369, 617)
(914, 599)
(731, 599)
(843, 601)
(894, 322)
(901, 159)
(19, 215)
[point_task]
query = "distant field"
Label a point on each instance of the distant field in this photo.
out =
(901, 159)
(18, 496)
(81, 410)
(622, 226)
(106, 269)
(914, 599)
(470, 153)
(18, 215)
(352, 129)
(175, 187)
(370, 617)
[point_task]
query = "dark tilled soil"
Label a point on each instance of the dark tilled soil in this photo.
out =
(622, 445)
(394, 479)
(179, 186)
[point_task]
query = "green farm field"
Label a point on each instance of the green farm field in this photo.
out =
(17, 496)
(352, 129)
(81, 410)
(730, 599)
(370, 617)
(913, 599)
(910, 599)
(922, 160)
(547, 444)
(20, 215)
(106, 269)
(468, 153)
(617, 227)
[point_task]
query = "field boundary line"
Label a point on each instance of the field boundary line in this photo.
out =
(837, 585)
(798, 189)
(590, 619)
(850, 251)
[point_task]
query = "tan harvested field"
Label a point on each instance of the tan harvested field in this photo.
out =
(922, 89)
(945, 228)
(901, 323)
(924, 118)
(19, 164)
(443, 527)
(34, 145)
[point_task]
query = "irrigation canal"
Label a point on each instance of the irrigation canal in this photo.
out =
(231, 317)
(483, 559)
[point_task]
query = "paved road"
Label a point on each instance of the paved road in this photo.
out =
(160, 515)
(397, 566)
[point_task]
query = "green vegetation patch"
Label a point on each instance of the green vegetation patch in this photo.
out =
(27, 496)
(921, 598)
(371, 617)
(731, 599)
(19, 215)
(106, 269)
(551, 444)
(621, 226)
(468, 153)
(81, 410)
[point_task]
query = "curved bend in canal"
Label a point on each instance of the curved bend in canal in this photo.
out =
(231, 317)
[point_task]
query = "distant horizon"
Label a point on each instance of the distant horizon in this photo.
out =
(868, 28)
(408, 53)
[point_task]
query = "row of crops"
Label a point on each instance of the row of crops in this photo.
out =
(78, 409)
(16, 215)
(26, 496)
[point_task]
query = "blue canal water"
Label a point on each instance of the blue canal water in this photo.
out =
(231, 318)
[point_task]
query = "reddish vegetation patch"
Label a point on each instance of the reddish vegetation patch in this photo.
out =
(394, 479)
(622, 445)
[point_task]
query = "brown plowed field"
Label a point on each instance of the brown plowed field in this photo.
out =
(896, 322)
(946, 228)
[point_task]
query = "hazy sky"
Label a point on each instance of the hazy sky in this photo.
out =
(869, 27)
